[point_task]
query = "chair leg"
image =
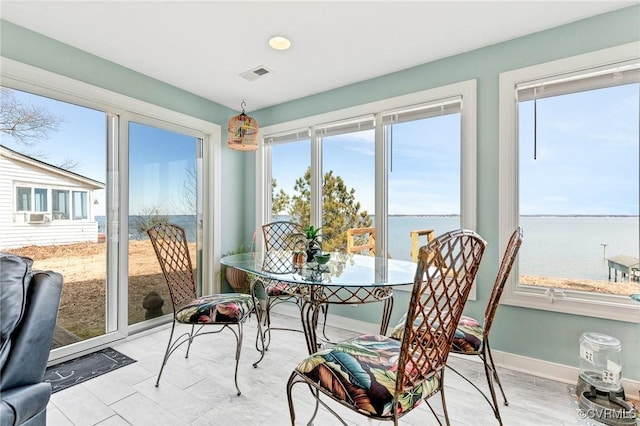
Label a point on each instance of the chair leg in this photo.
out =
(267, 324)
(488, 371)
(238, 350)
(292, 412)
(325, 313)
(495, 373)
(295, 378)
(444, 401)
(191, 336)
(259, 334)
(166, 353)
(476, 386)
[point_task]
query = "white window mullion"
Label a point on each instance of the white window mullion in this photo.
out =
(316, 179)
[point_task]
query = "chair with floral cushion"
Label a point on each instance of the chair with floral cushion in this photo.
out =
(471, 337)
(384, 378)
(286, 237)
(227, 310)
(280, 236)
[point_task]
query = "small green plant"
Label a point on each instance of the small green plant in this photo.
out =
(310, 232)
(313, 241)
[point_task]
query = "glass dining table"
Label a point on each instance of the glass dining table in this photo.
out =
(346, 279)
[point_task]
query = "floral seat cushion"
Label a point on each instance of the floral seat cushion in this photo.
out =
(362, 372)
(468, 337)
(215, 309)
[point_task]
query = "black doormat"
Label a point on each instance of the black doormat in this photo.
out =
(78, 370)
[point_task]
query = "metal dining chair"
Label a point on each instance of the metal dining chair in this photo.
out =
(384, 378)
(227, 310)
(280, 236)
(472, 338)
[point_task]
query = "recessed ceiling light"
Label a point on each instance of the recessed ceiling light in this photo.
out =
(279, 42)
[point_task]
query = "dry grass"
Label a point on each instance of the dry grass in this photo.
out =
(83, 266)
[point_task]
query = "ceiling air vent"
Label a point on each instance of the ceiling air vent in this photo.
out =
(255, 73)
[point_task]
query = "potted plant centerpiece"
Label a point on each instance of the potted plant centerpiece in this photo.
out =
(313, 245)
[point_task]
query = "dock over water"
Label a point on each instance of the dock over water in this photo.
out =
(628, 266)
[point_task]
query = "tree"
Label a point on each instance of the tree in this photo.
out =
(340, 209)
(189, 204)
(279, 201)
(29, 124)
(146, 218)
(26, 124)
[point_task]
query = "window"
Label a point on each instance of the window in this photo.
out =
(80, 205)
(40, 200)
(290, 157)
(60, 204)
(571, 142)
(424, 144)
(397, 163)
(23, 199)
(35, 199)
(348, 178)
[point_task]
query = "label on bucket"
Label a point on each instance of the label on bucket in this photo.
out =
(612, 373)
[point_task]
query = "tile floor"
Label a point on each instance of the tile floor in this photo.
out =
(199, 390)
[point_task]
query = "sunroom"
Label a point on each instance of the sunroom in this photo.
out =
(532, 124)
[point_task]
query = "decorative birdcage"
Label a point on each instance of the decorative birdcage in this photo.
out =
(242, 132)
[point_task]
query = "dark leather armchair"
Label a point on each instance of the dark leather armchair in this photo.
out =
(28, 314)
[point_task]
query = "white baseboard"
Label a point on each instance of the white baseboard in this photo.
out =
(533, 366)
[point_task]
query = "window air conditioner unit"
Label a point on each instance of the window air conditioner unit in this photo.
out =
(36, 217)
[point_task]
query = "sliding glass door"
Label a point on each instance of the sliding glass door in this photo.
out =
(81, 181)
(53, 162)
(163, 187)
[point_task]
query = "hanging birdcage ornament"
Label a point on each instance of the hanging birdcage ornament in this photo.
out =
(242, 132)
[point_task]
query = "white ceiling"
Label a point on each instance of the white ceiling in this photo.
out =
(202, 46)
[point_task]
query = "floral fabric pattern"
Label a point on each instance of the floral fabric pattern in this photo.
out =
(226, 308)
(363, 372)
(468, 337)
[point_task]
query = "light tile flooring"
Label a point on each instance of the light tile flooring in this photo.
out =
(199, 390)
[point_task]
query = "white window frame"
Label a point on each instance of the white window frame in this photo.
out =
(567, 301)
(468, 133)
(49, 193)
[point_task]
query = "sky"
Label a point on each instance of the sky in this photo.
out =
(425, 173)
(587, 158)
(587, 153)
(162, 158)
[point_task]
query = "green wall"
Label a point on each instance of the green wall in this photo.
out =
(538, 334)
(544, 335)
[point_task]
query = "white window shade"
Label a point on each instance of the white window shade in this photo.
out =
(350, 125)
(598, 78)
(290, 136)
(418, 112)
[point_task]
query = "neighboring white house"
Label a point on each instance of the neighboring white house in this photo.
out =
(42, 204)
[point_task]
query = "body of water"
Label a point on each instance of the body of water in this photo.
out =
(558, 246)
